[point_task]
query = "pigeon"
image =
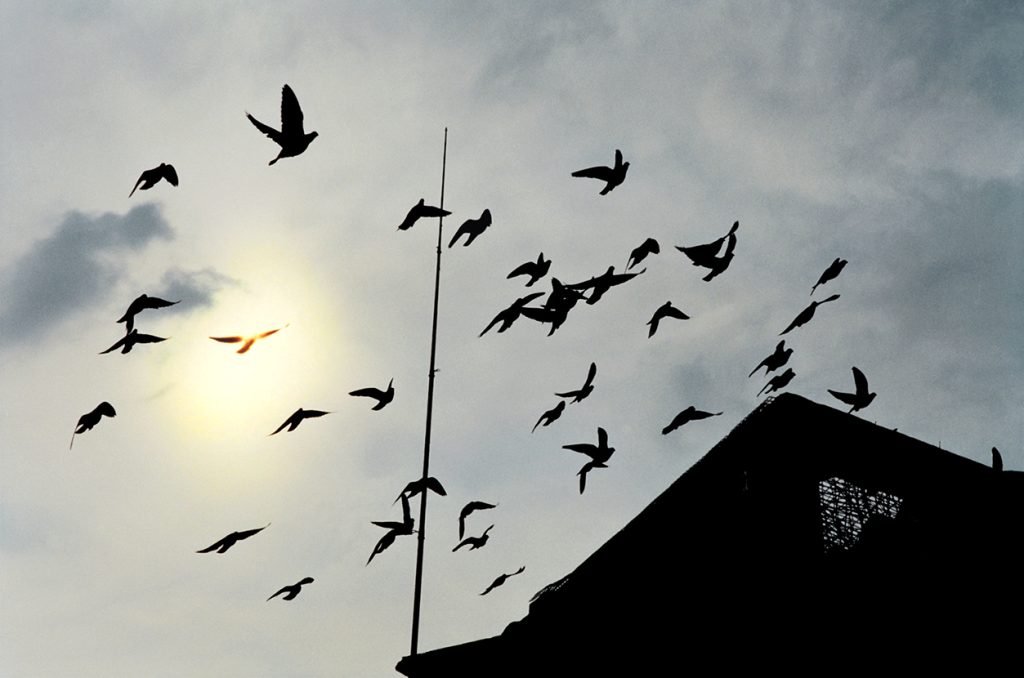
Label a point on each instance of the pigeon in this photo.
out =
(298, 415)
(141, 303)
(417, 486)
(90, 419)
(649, 246)
(686, 416)
(776, 360)
(599, 454)
(805, 315)
(292, 139)
(551, 415)
(612, 176)
(861, 398)
(501, 580)
(535, 269)
(149, 178)
(468, 509)
(583, 391)
(394, 529)
(418, 211)
(509, 315)
(471, 228)
(706, 255)
(831, 273)
(473, 542)
(128, 341)
(556, 307)
(666, 310)
(382, 397)
(246, 342)
(293, 590)
(230, 540)
(602, 283)
(778, 381)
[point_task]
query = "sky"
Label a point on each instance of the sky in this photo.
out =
(889, 134)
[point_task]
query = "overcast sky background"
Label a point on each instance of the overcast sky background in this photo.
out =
(890, 134)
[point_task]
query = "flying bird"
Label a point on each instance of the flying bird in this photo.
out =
(394, 529)
(468, 509)
(686, 416)
(859, 399)
(292, 139)
(90, 419)
(776, 360)
(509, 315)
(706, 255)
(600, 284)
(418, 211)
(473, 542)
(805, 315)
(612, 176)
(149, 178)
(501, 580)
(551, 415)
(128, 341)
(583, 391)
(293, 590)
(230, 540)
(415, 487)
(298, 415)
(831, 273)
(666, 310)
(246, 342)
(471, 228)
(647, 247)
(382, 397)
(141, 303)
(778, 381)
(599, 454)
(535, 269)
(556, 307)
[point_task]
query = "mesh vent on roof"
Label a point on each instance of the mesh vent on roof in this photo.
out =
(846, 507)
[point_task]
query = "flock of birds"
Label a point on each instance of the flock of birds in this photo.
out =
(714, 256)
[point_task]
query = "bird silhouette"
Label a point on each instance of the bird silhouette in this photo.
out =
(415, 487)
(418, 211)
(831, 273)
(394, 529)
(599, 455)
(298, 415)
(292, 138)
(382, 544)
(686, 416)
(473, 542)
(149, 178)
(861, 398)
(90, 419)
(776, 360)
(583, 391)
(509, 315)
(997, 460)
(535, 269)
(230, 540)
(501, 580)
(612, 176)
(471, 228)
(128, 341)
(647, 247)
(382, 397)
(805, 315)
(293, 590)
(246, 342)
(600, 284)
(468, 509)
(141, 303)
(666, 310)
(706, 255)
(551, 415)
(556, 307)
(778, 381)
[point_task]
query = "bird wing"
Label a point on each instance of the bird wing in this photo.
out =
(266, 334)
(435, 485)
(313, 413)
(522, 269)
(591, 373)
(406, 512)
(618, 158)
(142, 177)
(289, 421)
(860, 382)
(119, 344)
(291, 114)
(170, 174)
(368, 392)
(387, 524)
(215, 546)
(585, 448)
(228, 340)
(673, 312)
(279, 592)
(602, 437)
(148, 339)
(156, 302)
(848, 398)
(266, 129)
(245, 534)
(105, 408)
(431, 211)
(494, 584)
(602, 173)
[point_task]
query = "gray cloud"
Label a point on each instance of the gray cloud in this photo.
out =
(73, 269)
(194, 289)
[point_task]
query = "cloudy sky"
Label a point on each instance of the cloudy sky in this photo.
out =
(890, 134)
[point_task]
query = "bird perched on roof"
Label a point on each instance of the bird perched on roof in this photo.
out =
(649, 246)
(230, 540)
(600, 284)
(149, 178)
(382, 397)
(535, 269)
(246, 342)
(611, 176)
(141, 303)
(502, 579)
(691, 413)
(599, 455)
(778, 381)
(90, 419)
(415, 487)
(859, 399)
(777, 359)
(471, 228)
(292, 138)
(293, 590)
(666, 310)
(128, 341)
(297, 417)
(831, 273)
(583, 391)
(473, 542)
(550, 416)
(805, 315)
(706, 255)
(467, 510)
(419, 211)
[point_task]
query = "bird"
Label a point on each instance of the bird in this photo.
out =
(560, 301)
(666, 310)
(394, 529)
(293, 590)
(549, 416)
(501, 580)
(535, 269)
(418, 211)
(149, 178)
(415, 487)
(230, 540)
(128, 341)
(778, 381)
(509, 315)
(292, 138)
(382, 397)
(141, 303)
(647, 247)
(90, 419)
(583, 391)
(468, 509)
(686, 416)
(600, 284)
(599, 455)
(776, 360)
(805, 315)
(997, 461)
(246, 342)
(473, 542)
(612, 176)
(859, 399)
(296, 418)
(831, 273)
(706, 255)
(471, 228)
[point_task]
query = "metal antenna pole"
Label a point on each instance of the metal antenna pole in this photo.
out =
(430, 410)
